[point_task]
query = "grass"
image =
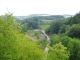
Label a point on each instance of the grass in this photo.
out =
(44, 26)
(31, 31)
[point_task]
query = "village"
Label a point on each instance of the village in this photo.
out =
(37, 35)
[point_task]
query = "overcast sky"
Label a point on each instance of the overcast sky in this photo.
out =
(26, 7)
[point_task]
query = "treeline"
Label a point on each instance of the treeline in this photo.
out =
(67, 32)
(34, 22)
(40, 17)
(30, 23)
(50, 17)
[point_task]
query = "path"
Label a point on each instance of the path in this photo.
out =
(48, 39)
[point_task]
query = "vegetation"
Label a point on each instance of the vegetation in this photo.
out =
(64, 35)
(58, 52)
(67, 32)
(14, 45)
(35, 22)
(44, 26)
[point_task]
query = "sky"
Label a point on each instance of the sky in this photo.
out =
(27, 7)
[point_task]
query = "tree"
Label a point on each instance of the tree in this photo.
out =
(7, 37)
(33, 25)
(55, 39)
(74, 31)
(58, 52)
(43, 43)
(62, 29)
(54, 27)
(24, 28)
(74, 48)
(75, 19)
(29, 50)
(65, 40)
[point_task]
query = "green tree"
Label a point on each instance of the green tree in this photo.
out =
(43, 43)
(74, 20)
(58, 52)
(55, 39)
(24, 28)
(62, 29)
(74, 48)
(65, 40)
(33, 25)
(29, 50)
(74, 31)
(54, 27)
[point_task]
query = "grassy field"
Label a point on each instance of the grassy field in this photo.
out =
(44, 26)
(31, 31)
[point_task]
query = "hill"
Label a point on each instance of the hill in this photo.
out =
(19, 17)
(42, 16)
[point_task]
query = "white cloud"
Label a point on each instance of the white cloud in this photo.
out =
(26, 7)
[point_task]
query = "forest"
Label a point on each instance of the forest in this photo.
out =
(64, 34)
(67, 32)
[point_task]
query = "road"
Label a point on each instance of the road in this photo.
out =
(48, 39)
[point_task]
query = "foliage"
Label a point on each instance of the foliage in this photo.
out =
(74, 48)
(62, 29)
(32, 25)
(54, 27)
(54, 39)
(43, 43)
(45, 22)
(58, 52)
(74, 31)
(64, 34)
(34, 22)
(14, 45)
(73, 45)
(44, 26)
(74, 20)
(24, 28)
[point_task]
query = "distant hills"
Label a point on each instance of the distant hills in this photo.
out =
(35, 15)
(20, 17)
(67, 15)
(47, 16)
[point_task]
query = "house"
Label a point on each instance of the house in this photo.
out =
(41, 36)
